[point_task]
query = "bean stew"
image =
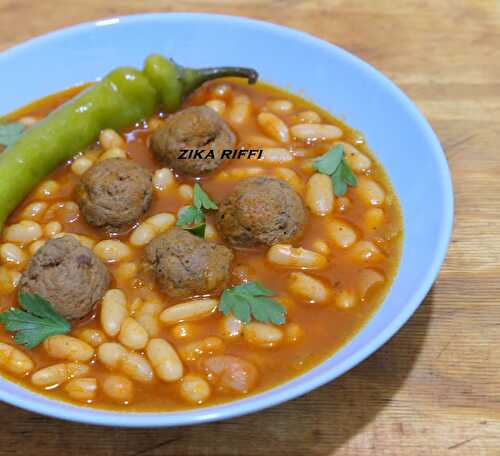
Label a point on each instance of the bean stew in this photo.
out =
(306, 228)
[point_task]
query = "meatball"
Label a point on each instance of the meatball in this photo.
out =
(115, 193)
(261, 210)
(199, 127)
(68, 275)
(186, 265)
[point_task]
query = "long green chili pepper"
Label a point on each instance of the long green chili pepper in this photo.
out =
(124, 97)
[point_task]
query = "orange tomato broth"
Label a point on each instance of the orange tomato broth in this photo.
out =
(326, 328)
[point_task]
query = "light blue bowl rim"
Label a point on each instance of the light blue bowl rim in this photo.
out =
(254, 403)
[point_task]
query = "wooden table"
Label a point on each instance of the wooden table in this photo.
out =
(434, 389)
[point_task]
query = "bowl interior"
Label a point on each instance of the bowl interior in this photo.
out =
(335, 80)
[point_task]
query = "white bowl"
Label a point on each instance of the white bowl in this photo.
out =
(337, 81)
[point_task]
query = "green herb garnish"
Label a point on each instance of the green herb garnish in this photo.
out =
(252, 300)
(190, 216)
(193, 216)
(201, 200)
(34, 324)
(10, 133)
(333, 164)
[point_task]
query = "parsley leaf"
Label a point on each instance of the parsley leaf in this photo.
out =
(333, 164)
(193, 216)
(10, 133)
(252, 300)
(190, 215)
(34, 324)
(198, 230)
(201, 200)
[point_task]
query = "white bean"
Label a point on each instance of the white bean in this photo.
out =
(311, 132)
(341, 233)
(373, 219)
(358, 161)
(147, 315)
(368, 278)
(113, 311)
(206, 346)
(67, 211)
(82, 389)
(161, 222)
(309, 288)
(262, 334)
(9, 280)
(288, 256)
(47, 189)
(94, 337)
(126, 271)
(111, 354)
(366, 252)
(218, 106)
(34, 211)
(137, 367)
(257, 141)
(190, 310)
(23, 232)
(240, 108)
(52, 228)
(68, 348)
(293, 332)
(231, 327)
(58, 373)
(321, 247)
(14, 360)
(114, 152)
(35, 246)
(291, 177)
(319, 194)
(273, 126)
(112, 250)
(370, 192)
(132, 334)
(142, 235)
(165, 360)
(81, 165)
(345, 300)
(283, 106)
(12, 255)
(186, 192)
(276, 155)
(118, 388)
(163, 179)
(110, 138)
(210, 232)
(184, 330)
(308, 117)
(194, 388)
(343, 203)
(240, 173)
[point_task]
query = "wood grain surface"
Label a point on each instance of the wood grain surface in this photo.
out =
(434, 389)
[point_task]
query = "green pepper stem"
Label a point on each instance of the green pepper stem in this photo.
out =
(206, 74)
(193, 78)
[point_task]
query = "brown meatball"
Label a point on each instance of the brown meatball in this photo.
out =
(68, 275)
(186, 265)
(261, 210)
(198, 127)
(115, 193)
